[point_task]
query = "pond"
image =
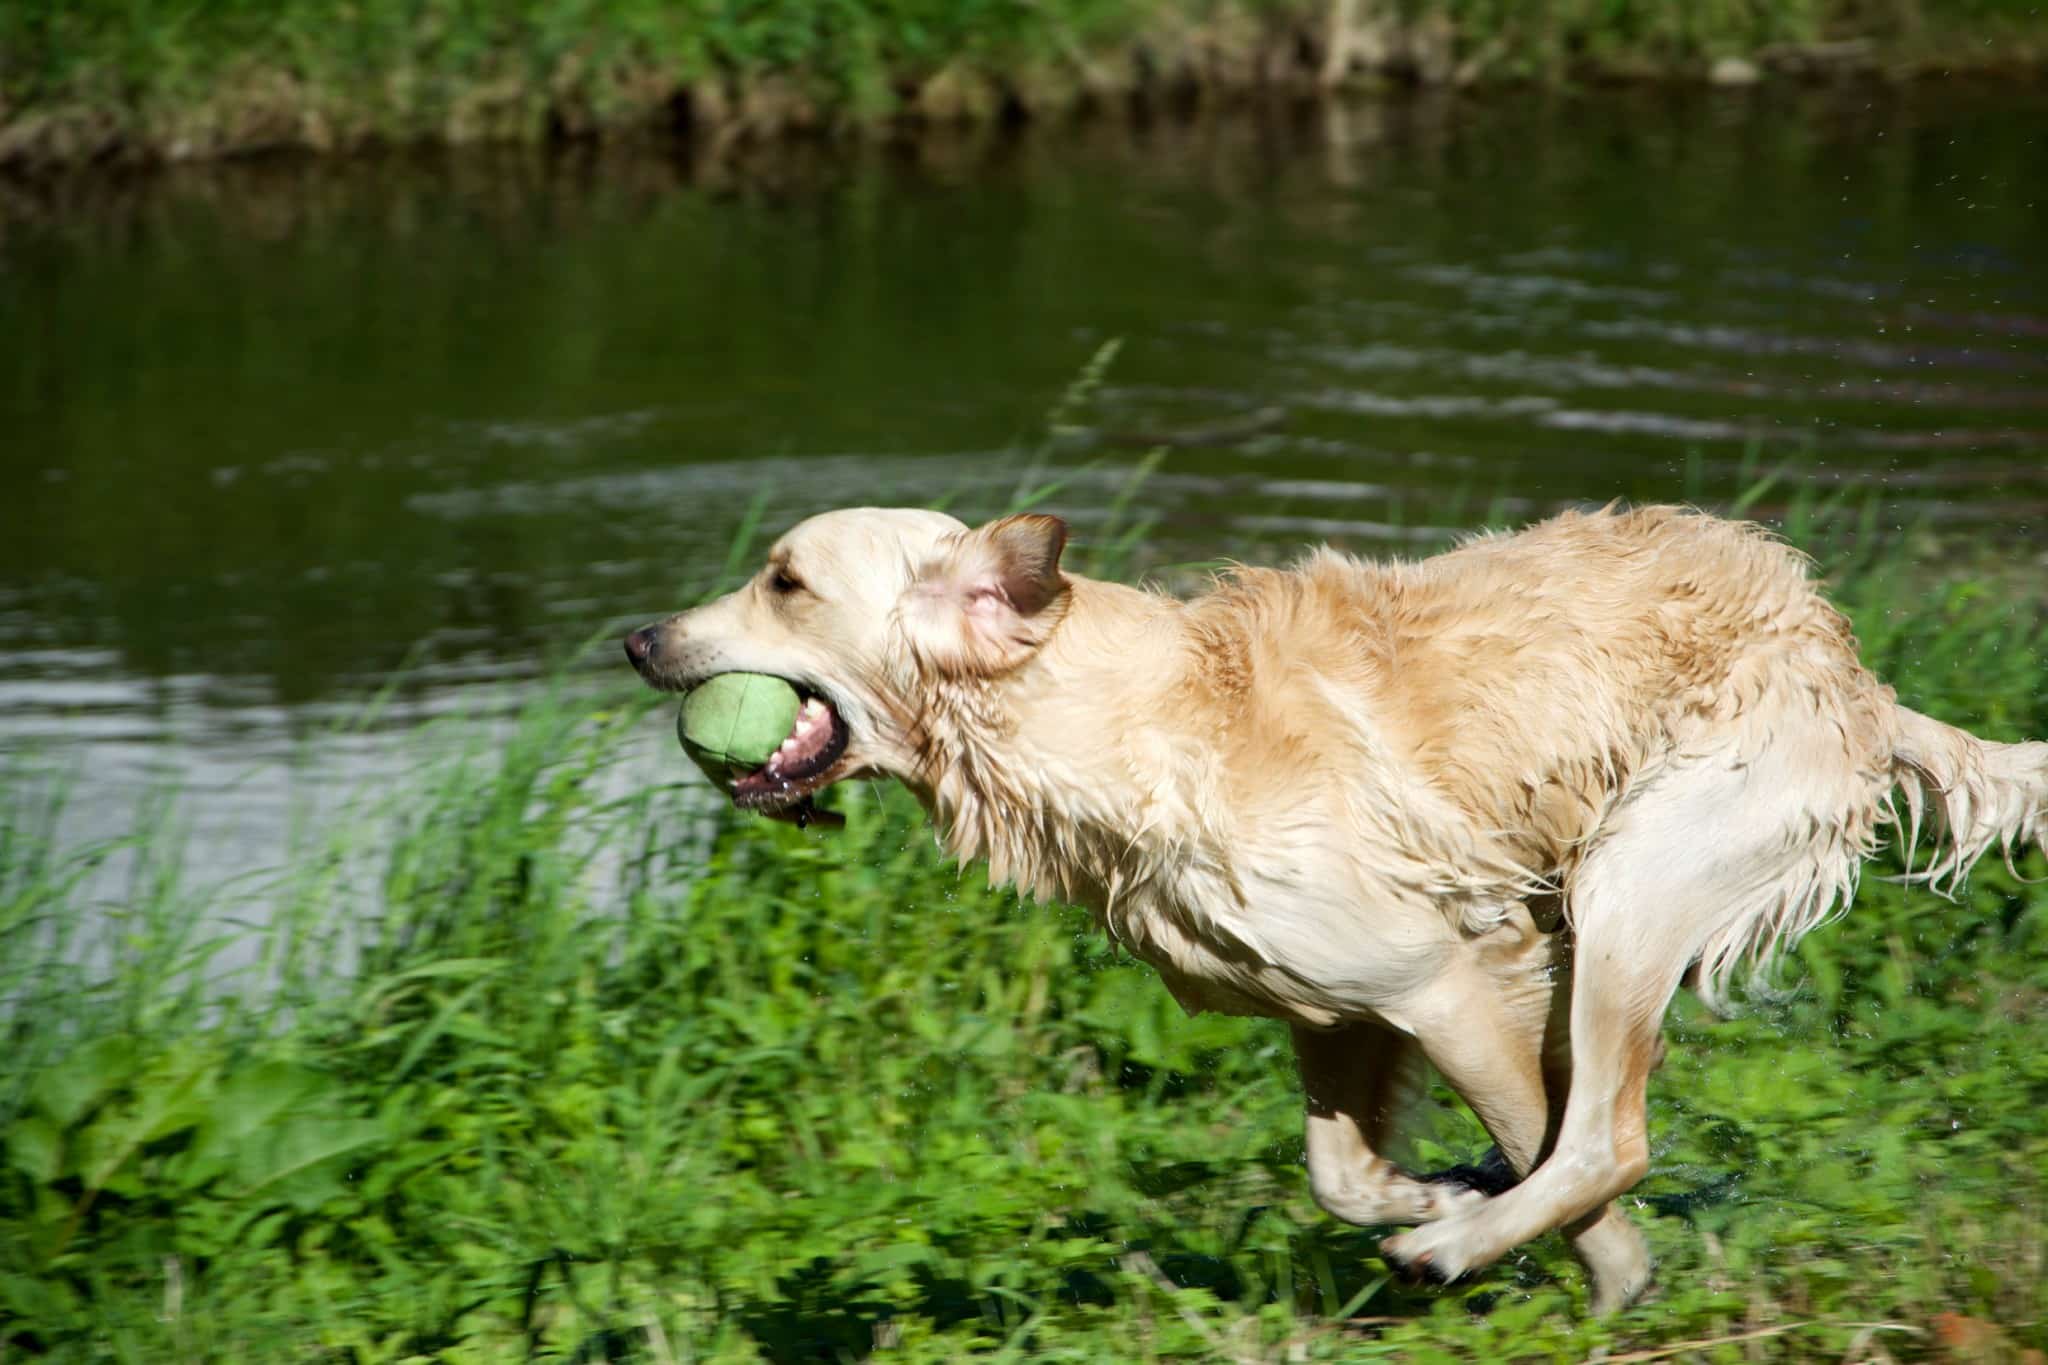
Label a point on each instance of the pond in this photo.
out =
(278, 432)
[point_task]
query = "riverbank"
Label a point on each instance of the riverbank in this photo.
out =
(159, 80)
(599, 1083)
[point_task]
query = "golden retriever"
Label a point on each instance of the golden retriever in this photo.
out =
(1354, 795)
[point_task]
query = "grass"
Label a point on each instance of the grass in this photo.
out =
(533, 1068)
(89, 79)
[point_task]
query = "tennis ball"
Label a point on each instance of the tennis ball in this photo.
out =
(736, 719)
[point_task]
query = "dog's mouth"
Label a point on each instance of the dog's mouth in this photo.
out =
(807, 761)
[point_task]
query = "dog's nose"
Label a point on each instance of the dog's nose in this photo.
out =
(640, 646)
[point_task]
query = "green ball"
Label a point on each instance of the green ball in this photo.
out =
(737, 718)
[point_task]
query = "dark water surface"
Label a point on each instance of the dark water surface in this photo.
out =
(273, 432)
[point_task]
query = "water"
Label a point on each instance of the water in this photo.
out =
(275, 433)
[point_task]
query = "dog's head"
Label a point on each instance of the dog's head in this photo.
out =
(868, 613)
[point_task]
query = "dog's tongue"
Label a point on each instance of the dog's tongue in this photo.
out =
(807, 742)
(782, 788)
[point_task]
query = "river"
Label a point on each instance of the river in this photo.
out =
(277, 433)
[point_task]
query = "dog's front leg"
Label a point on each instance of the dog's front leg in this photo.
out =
(1357, 1079)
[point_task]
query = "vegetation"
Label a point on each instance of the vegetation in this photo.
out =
(95, 78)
(530, 1068)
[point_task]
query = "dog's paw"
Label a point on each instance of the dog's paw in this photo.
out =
(1448, 1196)
(1431, 1254)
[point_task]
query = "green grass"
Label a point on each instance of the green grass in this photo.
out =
(86, 79)
(615, 1080)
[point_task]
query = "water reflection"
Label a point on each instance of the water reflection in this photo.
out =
(276, 430)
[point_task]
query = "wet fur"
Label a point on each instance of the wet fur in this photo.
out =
(1345, 794)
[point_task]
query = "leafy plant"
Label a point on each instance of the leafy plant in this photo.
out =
(537, 1065)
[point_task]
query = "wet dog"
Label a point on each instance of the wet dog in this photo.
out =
(1343, 795)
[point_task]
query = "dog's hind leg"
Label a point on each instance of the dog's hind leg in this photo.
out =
(1357, 1079)
(1496, 1029)
(1696, 849)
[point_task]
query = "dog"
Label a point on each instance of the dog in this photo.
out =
(1487, 810)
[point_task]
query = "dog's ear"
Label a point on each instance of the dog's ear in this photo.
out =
(990, 598)
(1013, 564)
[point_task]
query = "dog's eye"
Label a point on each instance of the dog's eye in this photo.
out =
(784, 583)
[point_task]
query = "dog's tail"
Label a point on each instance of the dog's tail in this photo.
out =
(1982, 793)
